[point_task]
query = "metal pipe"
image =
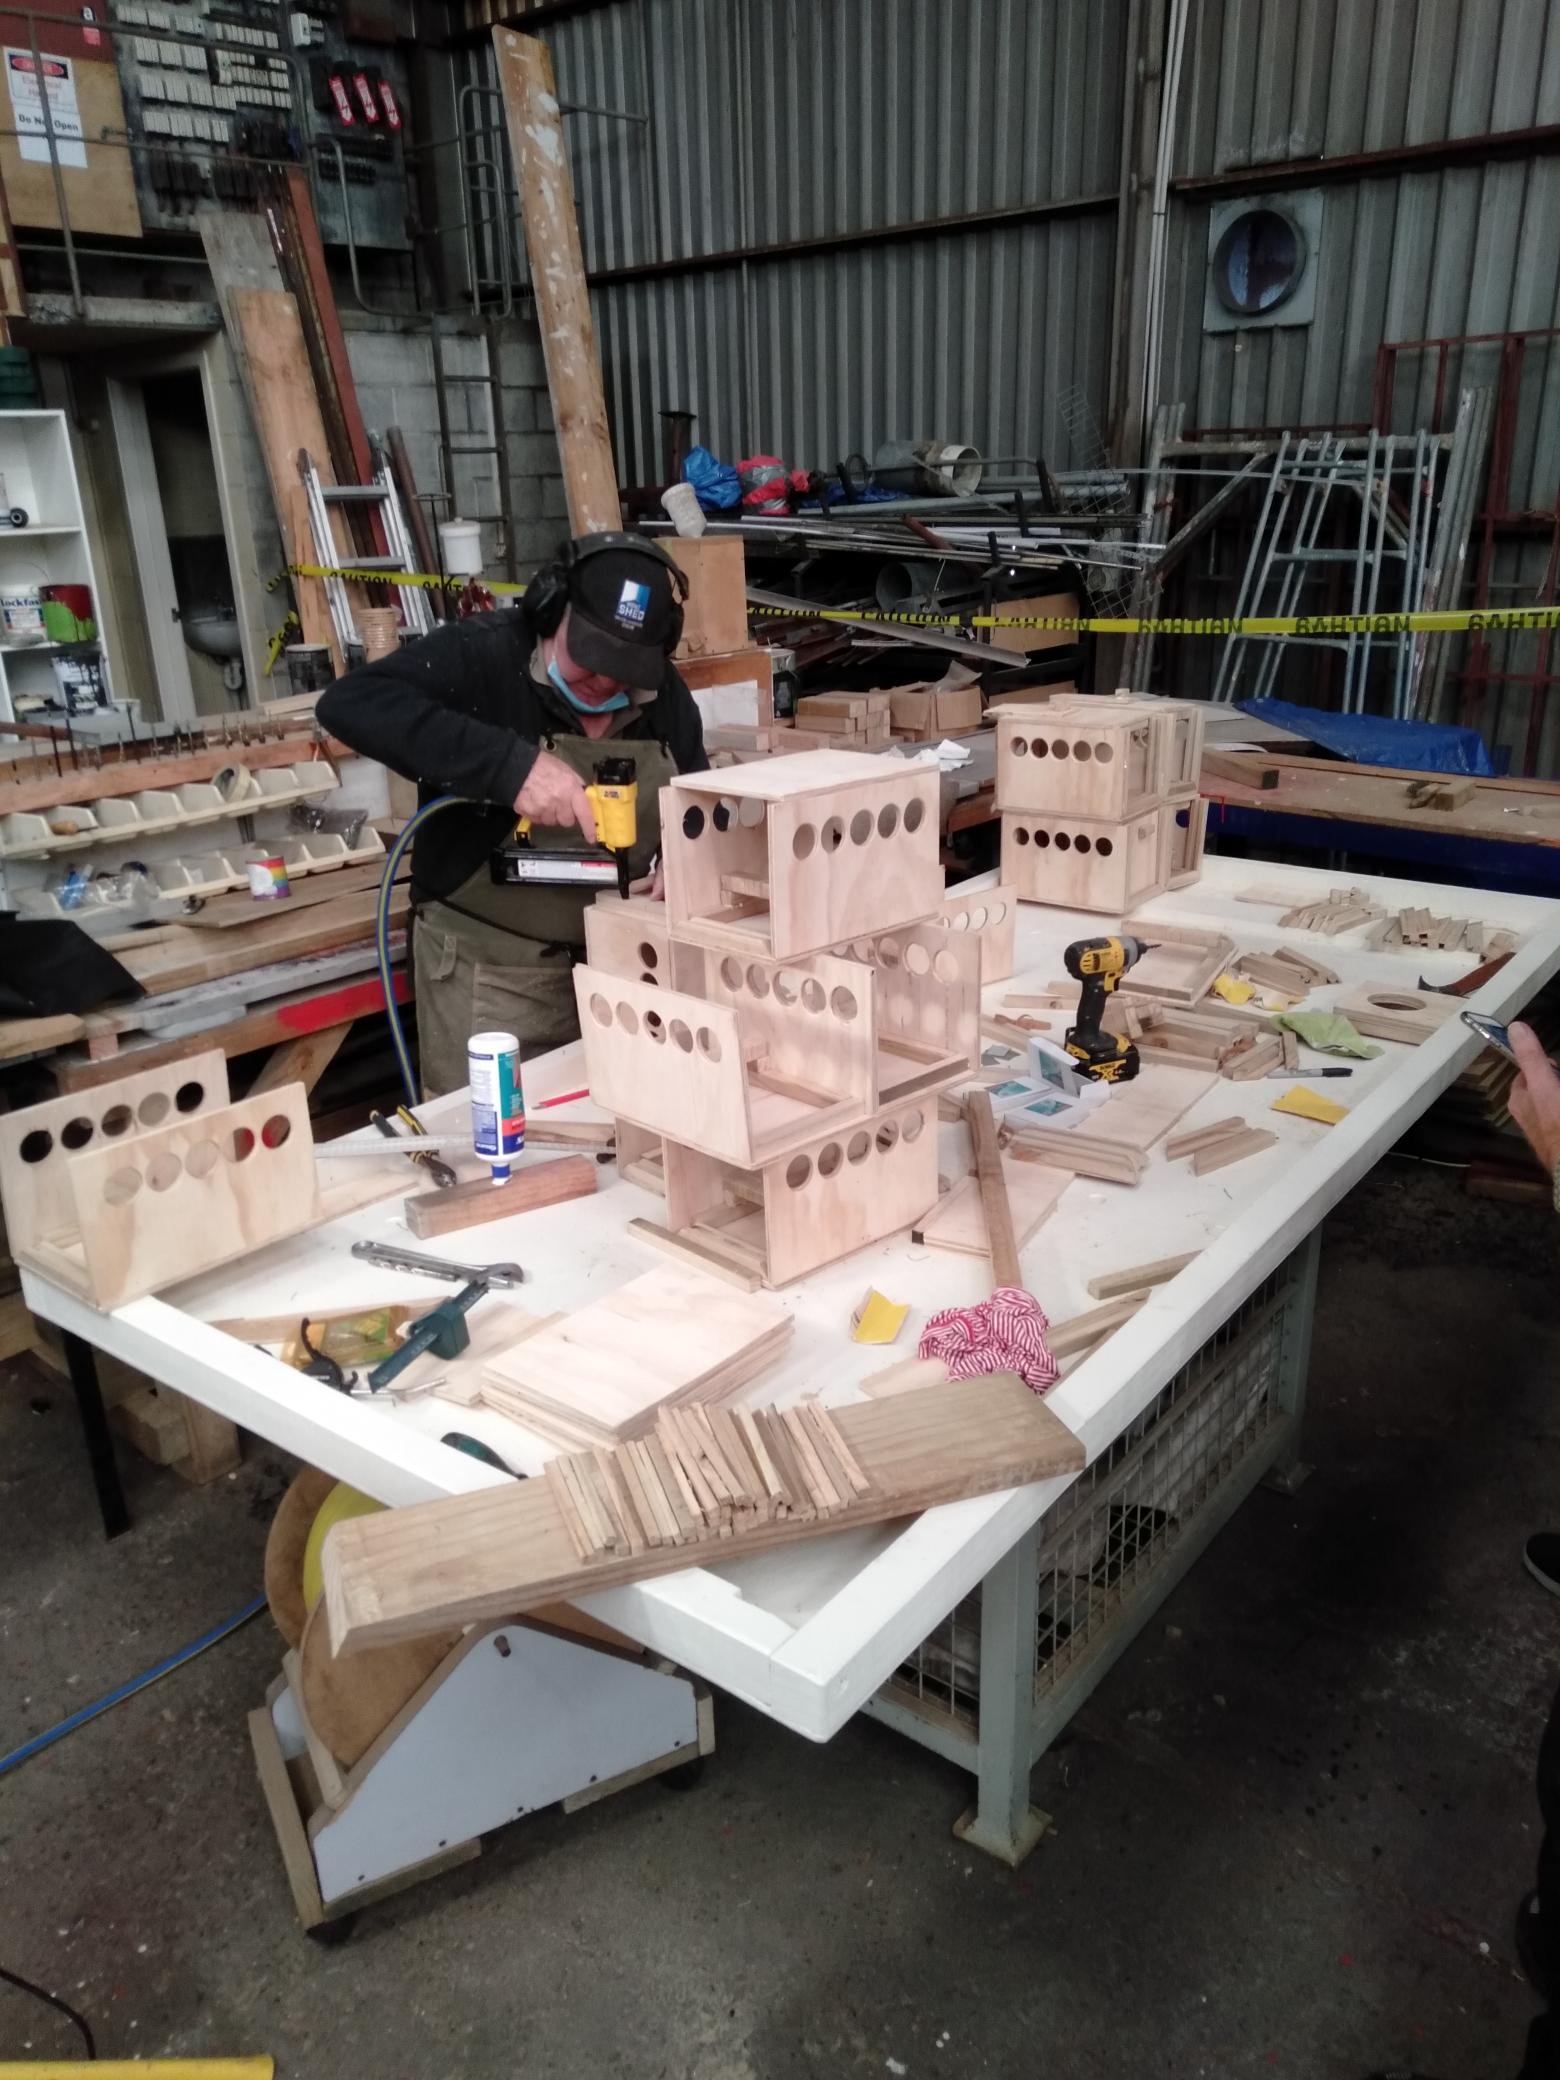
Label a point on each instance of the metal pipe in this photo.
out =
(56, 171)
(1538, 141)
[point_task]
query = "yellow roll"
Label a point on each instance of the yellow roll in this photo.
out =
(342, 1502)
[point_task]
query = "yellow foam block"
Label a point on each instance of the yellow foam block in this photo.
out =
(1308, 1104)
(1232, 989)
(877, 1319)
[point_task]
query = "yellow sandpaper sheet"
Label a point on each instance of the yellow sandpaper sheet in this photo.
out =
(1309, 1104)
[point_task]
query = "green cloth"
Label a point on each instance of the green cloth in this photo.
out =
(1329, 1032)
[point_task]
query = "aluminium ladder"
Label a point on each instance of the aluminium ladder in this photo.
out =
(380, 499)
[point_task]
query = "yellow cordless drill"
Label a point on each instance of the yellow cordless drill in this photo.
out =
(1099, 965)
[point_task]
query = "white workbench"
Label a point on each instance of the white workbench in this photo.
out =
(810, 1632)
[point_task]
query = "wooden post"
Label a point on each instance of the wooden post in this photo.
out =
(993, 1190)
(552, 240)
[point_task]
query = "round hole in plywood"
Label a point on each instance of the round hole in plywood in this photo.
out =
(1104, 847)
(888, 953)
(682, 1034)
(958, 921)
(842, 1003)
(709, 1044)
(153, 1109)
(887, 1137)
(914, 1122)
(856, 1149)
(945, 967)
(757, 980)
(1020, 836)
(1040, 747)
(651, 981)
(36, 1145)
(724, 814)
(655, 1026)
(1081, 844)
(115, 1121)
(239, 1145)
(164, 1170)
(731, 972)
(1103, 754)
(917, 959)
(1183, 818)
(813, 997)
(76, 1133)
(829, 1158)
(188, 1096)
(203, 1158)
(797, 1172)
(1082, 751)
(600, 1009)
(750, 813)
(627, 1018)
(1042, 839)
(861, 827)
(1059, 747)
(1063, 842)
(277, 1130)
(648, 957)
(1387, 1003)
(998, 914)
(832, 835)
(802, 840)
(915, 814)
(122, 1187)
(1018, 747)
(975, 919)
(786, 985)
(693, 822)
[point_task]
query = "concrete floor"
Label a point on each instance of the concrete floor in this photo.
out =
(1291, 1826)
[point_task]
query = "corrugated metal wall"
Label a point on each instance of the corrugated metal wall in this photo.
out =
(776, 122)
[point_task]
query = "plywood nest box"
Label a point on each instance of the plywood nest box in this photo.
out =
(785, 1021)
(1098, 799)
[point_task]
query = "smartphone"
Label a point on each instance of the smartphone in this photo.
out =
(1491, 1032)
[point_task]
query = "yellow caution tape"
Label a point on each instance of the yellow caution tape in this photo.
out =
(1453, 621)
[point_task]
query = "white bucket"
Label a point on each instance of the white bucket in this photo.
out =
(683, 510)
(460, 547)
(21, 614)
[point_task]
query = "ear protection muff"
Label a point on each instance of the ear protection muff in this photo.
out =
(548, 593)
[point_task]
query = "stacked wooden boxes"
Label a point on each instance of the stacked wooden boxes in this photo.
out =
(1098, 799)
(787, 1029)
(853, 721)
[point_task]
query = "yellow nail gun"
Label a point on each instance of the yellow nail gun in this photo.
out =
(614, 798)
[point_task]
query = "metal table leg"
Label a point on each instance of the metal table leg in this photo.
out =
(1002, 1821)
(82, 1361)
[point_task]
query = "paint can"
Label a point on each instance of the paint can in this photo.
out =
(497, 1099)
(267, 873)
(21, 614)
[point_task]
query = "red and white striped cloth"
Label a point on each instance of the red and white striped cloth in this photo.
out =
(1003, 1334)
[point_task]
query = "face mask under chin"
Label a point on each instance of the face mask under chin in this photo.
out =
(618, 700)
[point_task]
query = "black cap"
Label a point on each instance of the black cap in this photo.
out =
(624, 619)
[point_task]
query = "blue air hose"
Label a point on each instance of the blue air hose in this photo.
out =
(382, 934)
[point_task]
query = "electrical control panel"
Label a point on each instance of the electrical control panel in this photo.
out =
(211, 86)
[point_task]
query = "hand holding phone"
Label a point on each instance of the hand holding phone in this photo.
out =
(1491, 1032)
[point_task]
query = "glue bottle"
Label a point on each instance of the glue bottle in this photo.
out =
(497, 1099)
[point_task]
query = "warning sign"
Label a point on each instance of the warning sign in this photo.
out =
(58, 82)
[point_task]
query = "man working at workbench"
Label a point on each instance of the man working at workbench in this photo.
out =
(510, 711)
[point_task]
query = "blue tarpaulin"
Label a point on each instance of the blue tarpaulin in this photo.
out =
(1381, 740)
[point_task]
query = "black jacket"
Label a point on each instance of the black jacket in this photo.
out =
(460, 713)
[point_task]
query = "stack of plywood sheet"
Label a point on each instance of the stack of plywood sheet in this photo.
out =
(600, 1376)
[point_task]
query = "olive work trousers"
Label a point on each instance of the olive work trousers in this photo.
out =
(472, 977)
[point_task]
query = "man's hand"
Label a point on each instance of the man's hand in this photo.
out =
(652, 884)
(1535, 1097)
(554, 794)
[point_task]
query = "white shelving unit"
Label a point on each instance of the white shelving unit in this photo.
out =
(52, 549)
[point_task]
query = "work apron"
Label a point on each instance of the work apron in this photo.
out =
(496, 958)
